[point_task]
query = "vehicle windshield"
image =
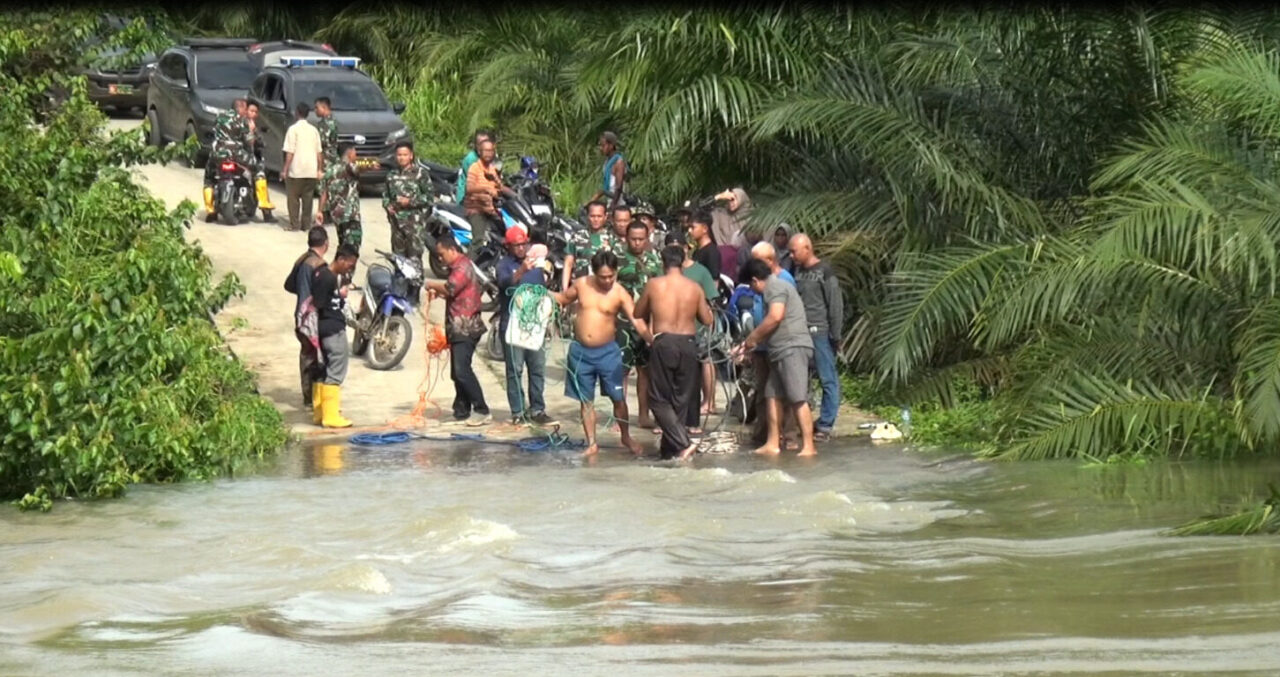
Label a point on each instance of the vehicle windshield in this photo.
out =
(225, 73)
(345, 95)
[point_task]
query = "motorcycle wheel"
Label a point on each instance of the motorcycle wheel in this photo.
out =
(389, 342)
(491, 293)
(493, 344)
(227, 212)
(438, 268)
(360, 343)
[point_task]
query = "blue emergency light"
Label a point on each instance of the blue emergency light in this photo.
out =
(334, 61)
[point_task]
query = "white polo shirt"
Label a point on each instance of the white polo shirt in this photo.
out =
(303, 140)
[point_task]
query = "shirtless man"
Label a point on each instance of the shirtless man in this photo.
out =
(673, 359)
(594, 355)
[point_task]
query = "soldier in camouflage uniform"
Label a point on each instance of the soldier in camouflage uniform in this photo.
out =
(408, 200)
(637, 264)
(340, 198)
(226, 139)
(235, 139)
(585, 243)
(328, 129)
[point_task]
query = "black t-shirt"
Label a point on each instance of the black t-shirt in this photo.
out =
(709, 257)
(329, 303)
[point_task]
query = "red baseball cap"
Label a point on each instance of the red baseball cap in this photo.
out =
(516, 236)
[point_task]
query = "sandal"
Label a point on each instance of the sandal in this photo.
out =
(822, 436)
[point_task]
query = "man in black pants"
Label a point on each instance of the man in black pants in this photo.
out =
(671, 304)
(463, 328)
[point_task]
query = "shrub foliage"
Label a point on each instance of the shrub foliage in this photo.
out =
(111, 371)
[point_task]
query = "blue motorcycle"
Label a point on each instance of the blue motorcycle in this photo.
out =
(381, 326)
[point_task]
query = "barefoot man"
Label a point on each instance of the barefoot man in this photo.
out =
(672, 303)
(790, 349)
(594, 355)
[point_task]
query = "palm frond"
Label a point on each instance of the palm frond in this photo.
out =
(1090, 415)
(933, 296)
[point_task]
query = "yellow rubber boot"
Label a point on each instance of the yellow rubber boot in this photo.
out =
(264, 200)
(208, 204)
(317, 403)
(332, 402)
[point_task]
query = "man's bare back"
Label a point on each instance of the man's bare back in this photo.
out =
(671, 303)
(595, 322)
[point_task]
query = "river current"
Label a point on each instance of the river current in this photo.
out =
(476, 559)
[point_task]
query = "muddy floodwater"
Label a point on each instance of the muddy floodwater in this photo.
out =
(439, 559)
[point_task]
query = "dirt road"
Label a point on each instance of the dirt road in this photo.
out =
(259, 326)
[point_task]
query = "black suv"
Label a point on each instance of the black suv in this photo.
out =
(120, 85)
(192, 83)
(364, 116)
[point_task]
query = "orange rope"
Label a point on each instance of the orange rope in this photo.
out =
(435, 352)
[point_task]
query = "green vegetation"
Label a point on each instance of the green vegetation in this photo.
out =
(111, 371)
(1057, 227)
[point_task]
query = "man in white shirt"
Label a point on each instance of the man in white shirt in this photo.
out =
(302, 164)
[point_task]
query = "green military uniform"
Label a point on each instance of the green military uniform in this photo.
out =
(585, 243)
(328, 140)
(342, 206)
(408, 223)
(229, 130)
(634, 272)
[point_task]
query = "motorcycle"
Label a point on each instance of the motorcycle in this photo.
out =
(234, 198)
(448, 218)
(381, 326)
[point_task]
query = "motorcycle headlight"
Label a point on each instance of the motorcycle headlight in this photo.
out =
(212, 110)
(409, 271)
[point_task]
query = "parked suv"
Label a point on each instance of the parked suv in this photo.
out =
(362, 112)
(122, 86)
(192, 83)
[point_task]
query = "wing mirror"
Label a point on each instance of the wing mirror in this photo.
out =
(397, 107)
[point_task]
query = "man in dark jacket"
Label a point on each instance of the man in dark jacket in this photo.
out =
(824, 309)
(299, 283)
(514, 270)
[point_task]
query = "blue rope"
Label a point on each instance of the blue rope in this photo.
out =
(378, 439)
(550, 442)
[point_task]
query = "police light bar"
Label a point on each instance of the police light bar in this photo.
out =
(335, 61)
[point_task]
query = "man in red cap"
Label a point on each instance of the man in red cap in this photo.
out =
(516, 269)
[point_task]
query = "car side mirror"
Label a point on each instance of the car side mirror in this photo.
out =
(397, 107)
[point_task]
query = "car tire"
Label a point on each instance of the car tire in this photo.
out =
(153, 136)
(200, 158)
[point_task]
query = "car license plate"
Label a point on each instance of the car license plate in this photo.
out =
(120, 89)
(367, 163)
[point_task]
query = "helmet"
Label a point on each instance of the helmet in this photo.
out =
(516, 236)
(529, 166)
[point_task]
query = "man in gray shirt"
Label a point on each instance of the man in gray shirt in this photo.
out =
(790, 349)
(824, 307)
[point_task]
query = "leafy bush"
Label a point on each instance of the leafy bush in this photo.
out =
(111, 371)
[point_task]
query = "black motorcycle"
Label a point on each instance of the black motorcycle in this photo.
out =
(234, 198)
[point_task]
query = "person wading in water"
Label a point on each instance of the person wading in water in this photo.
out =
(594, 355)
(673, 304)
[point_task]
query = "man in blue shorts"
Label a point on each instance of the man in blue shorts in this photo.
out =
(594, 355)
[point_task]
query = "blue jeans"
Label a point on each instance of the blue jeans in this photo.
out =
(516, 360)
(824, 357)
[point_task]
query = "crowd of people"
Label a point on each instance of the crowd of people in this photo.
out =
(639, 301)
